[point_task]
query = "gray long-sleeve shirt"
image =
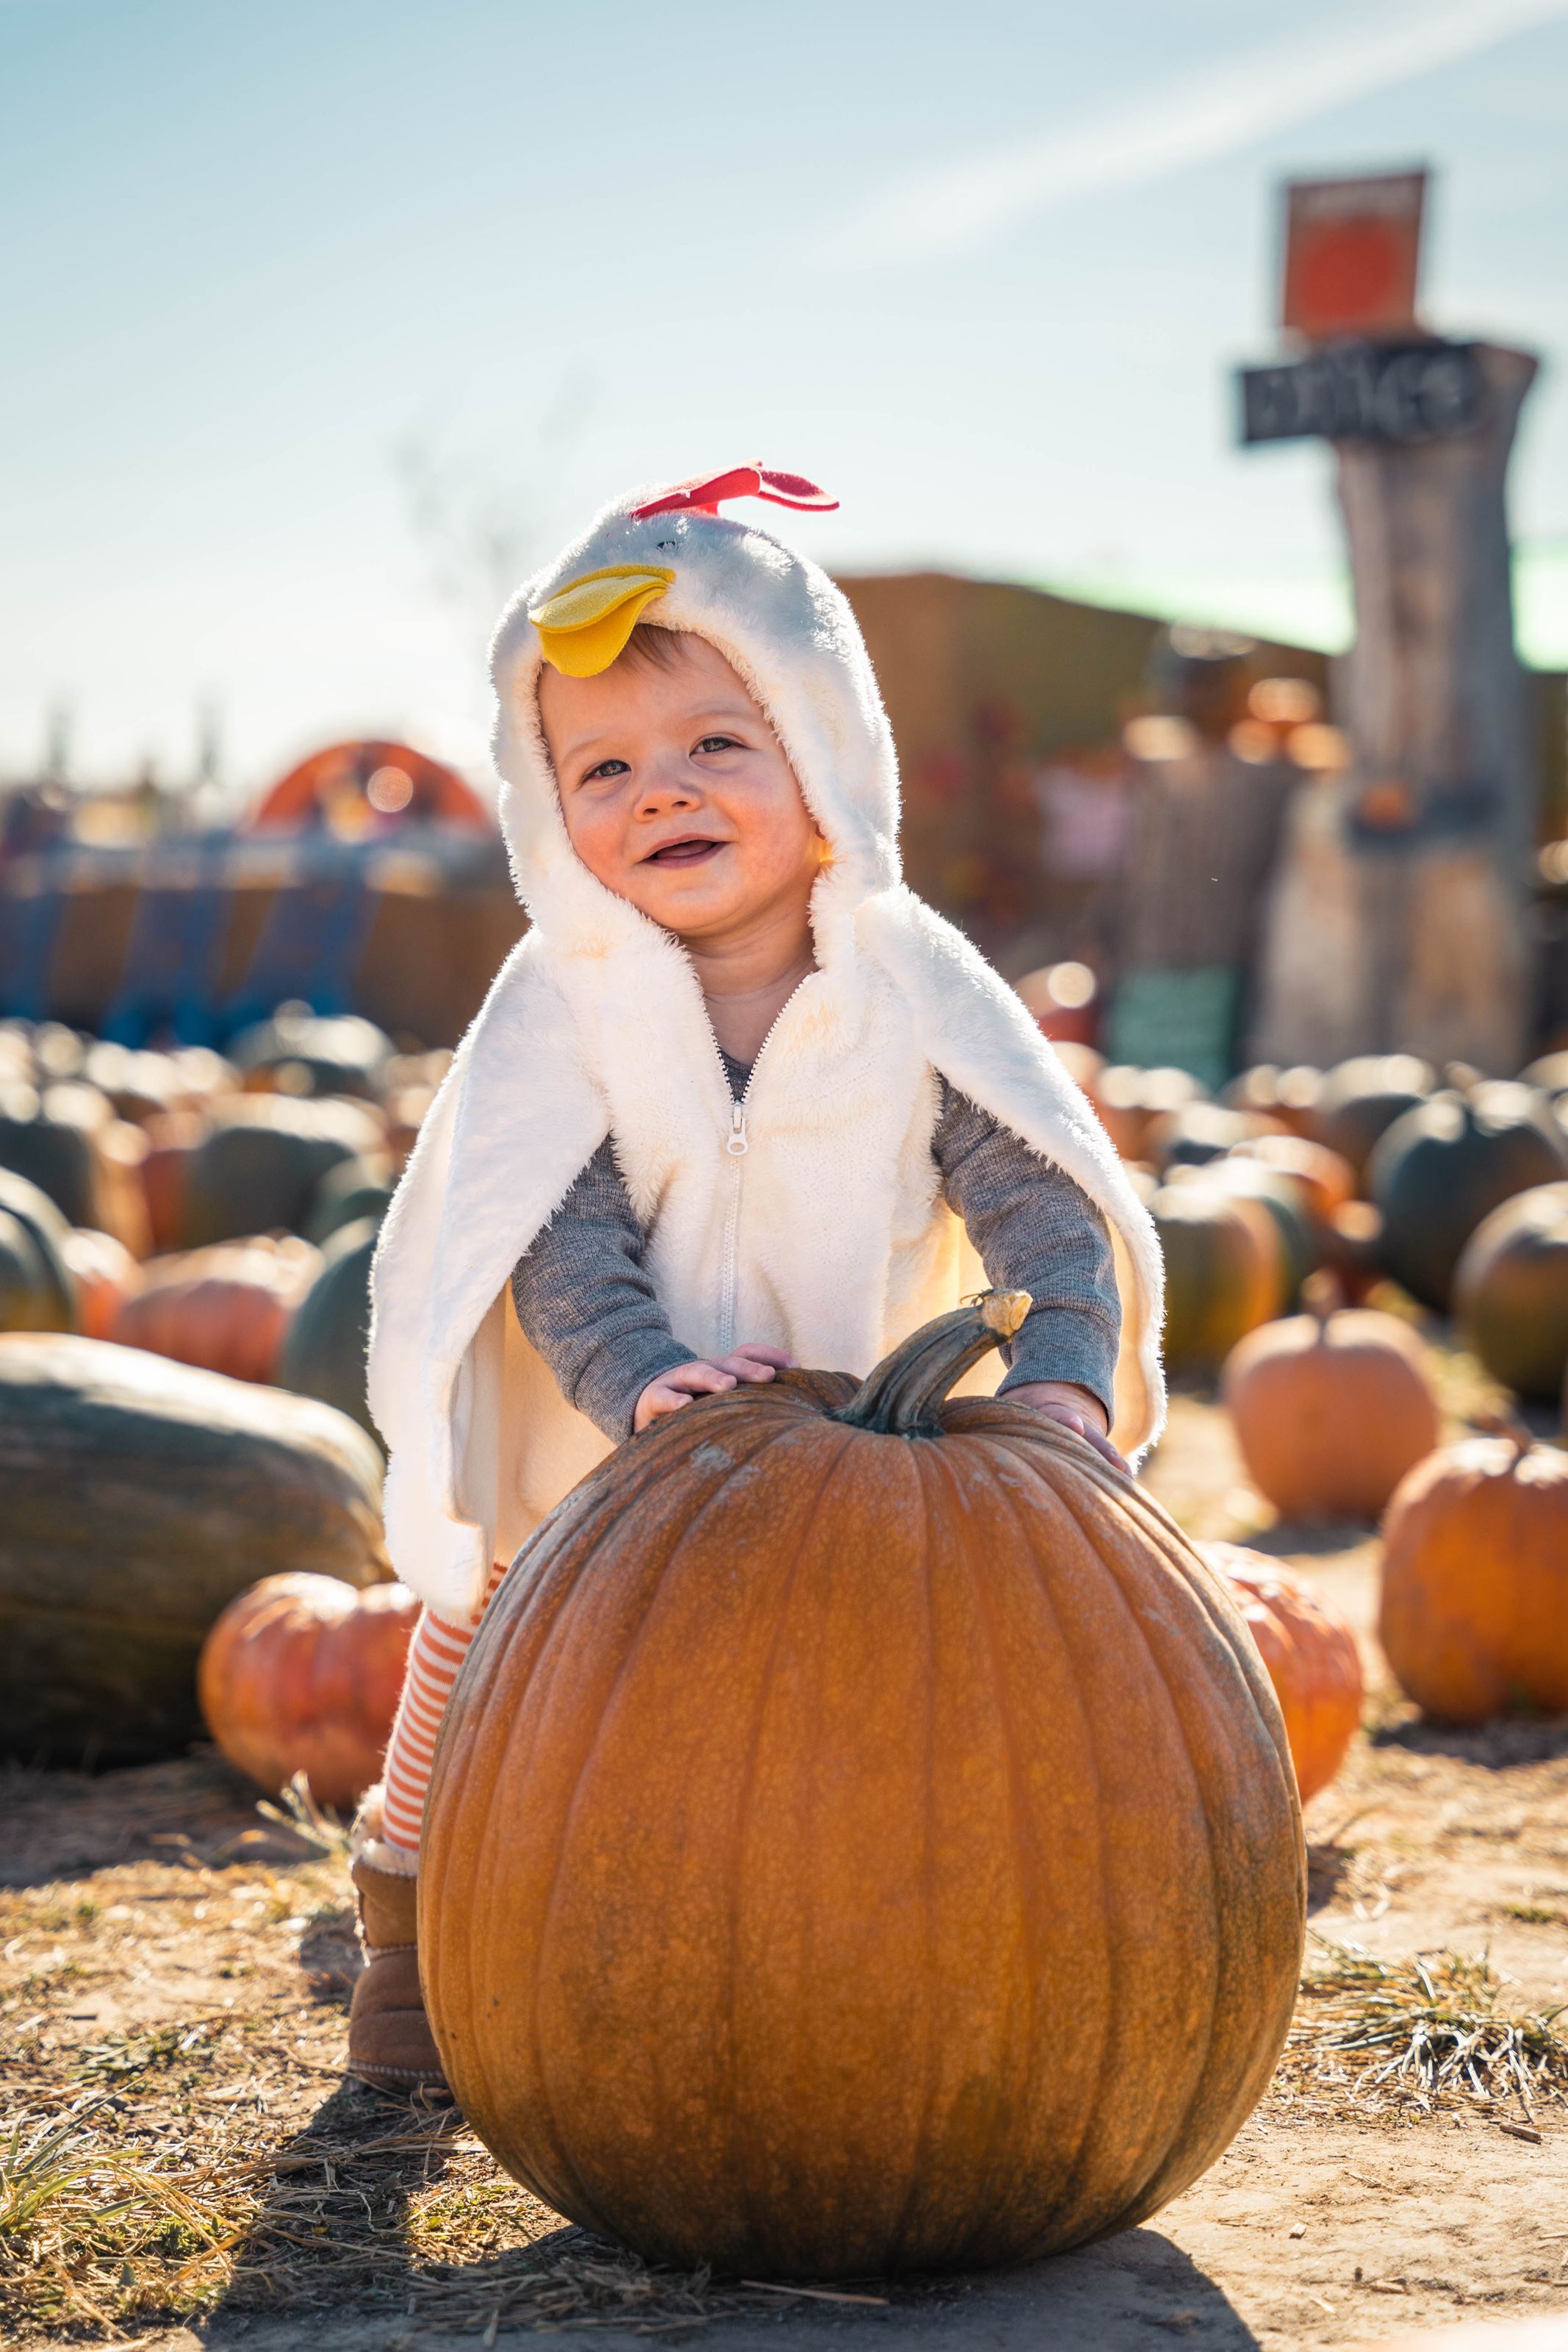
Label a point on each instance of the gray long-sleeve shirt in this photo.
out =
(586, 1302)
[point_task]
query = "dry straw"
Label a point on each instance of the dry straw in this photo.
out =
(1423, 2033)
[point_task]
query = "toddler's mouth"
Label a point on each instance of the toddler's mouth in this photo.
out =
(692, 849)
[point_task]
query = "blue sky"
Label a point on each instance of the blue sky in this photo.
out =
(320, 315)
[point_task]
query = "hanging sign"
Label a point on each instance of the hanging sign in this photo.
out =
(1352, 250)
(1407, 391)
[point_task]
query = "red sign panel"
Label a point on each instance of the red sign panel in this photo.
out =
(1352, 250)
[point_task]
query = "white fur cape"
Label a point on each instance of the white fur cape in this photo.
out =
(829, 1235)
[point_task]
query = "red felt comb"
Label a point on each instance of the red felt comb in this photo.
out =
(703, 493)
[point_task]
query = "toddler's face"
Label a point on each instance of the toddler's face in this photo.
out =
(677, 794)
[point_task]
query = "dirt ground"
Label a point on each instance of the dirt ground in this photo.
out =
(179, 2163)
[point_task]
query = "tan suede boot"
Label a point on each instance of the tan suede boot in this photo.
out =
(389, 2040)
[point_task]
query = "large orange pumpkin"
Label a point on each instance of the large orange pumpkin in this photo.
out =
(861, 1838)
(1311, 1654)
(1474, 1614)
(1329, 1410)
(302, 1673)
(225, 1309)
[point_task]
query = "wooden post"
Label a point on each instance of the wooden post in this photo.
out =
(1398, 921)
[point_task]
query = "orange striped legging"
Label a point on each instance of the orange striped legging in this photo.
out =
(438, 1649)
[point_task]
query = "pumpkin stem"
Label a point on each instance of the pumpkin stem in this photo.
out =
(1322, 1295)
(904, 1396)
(1509, 1425)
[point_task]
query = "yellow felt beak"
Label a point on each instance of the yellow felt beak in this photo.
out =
(584, 626)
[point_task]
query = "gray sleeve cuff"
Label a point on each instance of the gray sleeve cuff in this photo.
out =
(615, 1377)
(1065, 1343)
(1035, 1230)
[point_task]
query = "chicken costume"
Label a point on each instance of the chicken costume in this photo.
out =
(808, 1216)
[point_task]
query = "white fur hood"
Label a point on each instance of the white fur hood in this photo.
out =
(596, 988)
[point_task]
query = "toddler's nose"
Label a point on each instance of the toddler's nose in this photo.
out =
(668, 784)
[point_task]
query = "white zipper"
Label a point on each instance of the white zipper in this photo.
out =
(737, 1143)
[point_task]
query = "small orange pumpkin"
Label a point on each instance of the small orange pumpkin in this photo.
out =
(1474, 1614)
(106, 1276)
(303, 1673)
(1330, 1409)
(225, 1309)
(1311, 1654)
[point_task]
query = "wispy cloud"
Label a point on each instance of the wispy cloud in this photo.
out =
(1191, 119)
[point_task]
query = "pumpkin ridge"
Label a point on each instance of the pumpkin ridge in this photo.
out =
(1149, 2189)
(1146, 1509)
(486, 1875)
(1159, 2191)
(577, 1533)
(492, 1632)
(929, 1891)
(788, 1428)
(1202, 1589)
(1060, 1503)
(1207, 1589)
(1022, 1834)
(682, 1534)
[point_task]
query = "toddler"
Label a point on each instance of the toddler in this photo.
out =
(738, 1100)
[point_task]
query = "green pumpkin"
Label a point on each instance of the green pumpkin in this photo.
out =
(1445, 1165)
(45, 1231)
(258, 1171)
(1223, 1274)
(1301, 1243)
(324, 1353)
(27, 1302)
(1199, 1134)
(340, 1055)
(140, 1497)
(1360, 1099)
(58, 1155)
(1510, 1292)
(353, 1189)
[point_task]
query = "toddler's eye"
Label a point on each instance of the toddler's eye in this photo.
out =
(607, 768)
(718, 743)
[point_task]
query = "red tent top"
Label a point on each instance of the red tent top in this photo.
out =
(367, 787)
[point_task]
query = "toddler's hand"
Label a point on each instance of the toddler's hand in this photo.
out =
(1075, 1408)
(707, 1377)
